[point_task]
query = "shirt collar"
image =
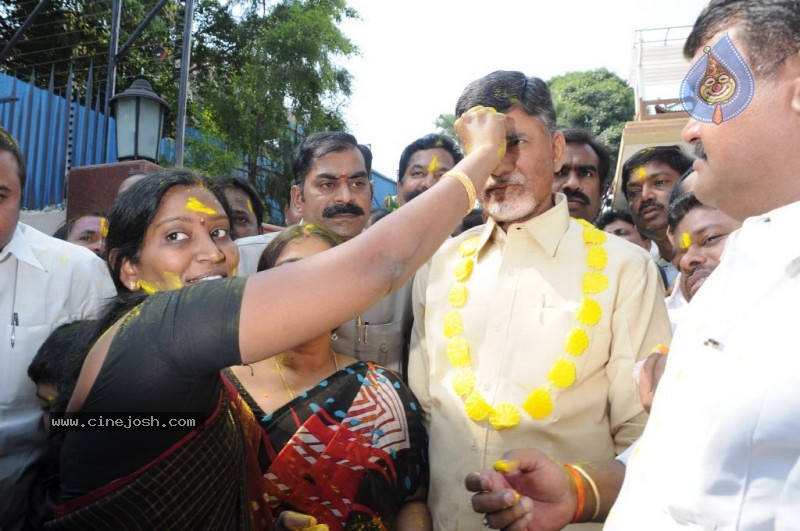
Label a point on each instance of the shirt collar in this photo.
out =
(547, 228)
(20, 247)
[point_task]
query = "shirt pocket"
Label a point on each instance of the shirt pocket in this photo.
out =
(16, 387)
(381, 344)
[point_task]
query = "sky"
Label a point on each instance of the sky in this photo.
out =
(416, 56)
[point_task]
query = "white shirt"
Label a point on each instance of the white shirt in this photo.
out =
(722, 447)
(45, 282)
(676, 304)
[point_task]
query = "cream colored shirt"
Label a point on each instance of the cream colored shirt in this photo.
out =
(523, 296)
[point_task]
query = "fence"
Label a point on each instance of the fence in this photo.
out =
(56, 130)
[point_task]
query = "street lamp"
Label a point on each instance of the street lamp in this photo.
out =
(140, 119)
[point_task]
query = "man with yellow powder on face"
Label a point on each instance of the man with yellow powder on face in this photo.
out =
(422, 164)
(647, 180)
(526, 329)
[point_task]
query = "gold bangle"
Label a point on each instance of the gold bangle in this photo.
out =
(468, 187)
(593, 486)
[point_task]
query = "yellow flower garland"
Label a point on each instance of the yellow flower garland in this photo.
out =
(539, 403)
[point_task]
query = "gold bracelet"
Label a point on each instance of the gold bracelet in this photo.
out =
(593, 486)
(468, 187)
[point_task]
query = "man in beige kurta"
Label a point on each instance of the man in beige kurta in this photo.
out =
(545, 367)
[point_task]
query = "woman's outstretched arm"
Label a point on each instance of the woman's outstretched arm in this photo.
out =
(285, 306)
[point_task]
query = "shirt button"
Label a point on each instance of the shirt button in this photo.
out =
(384, 347)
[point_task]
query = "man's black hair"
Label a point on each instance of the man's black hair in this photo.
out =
(680, 207)
(320, 144)
(576, 135)
(237, 181)
(504, 90)
(610, 216)
(430, 141)
(673, 156)
(769, 29)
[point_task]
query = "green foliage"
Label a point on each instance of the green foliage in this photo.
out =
(597, 100)
(445, 125)
(260, 80)
(271, 75)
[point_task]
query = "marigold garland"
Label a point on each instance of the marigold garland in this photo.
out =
(577, 341)
(589, 312)
(562, 374)
(539, 403)
(476, 407)
(464, 381)
(504, 415)
(457, 296)
(597, 257)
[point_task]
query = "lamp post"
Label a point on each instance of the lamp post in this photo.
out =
(140, 119)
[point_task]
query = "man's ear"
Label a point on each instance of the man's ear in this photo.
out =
(794, 65)
(296, 196)
(559, 148)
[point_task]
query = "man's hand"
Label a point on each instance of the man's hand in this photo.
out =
(527, 490)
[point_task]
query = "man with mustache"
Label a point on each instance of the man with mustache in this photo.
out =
(526, 329)
(422, 164)
(582, 176)
(647, 179)
(333, 189)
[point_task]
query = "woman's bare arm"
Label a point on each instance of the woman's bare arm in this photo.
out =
(285, 306)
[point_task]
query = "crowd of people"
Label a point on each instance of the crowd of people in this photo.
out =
(496, 348)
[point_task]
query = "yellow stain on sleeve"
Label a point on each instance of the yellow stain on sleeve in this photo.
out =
(249, 206)
(104, 227)
(195, 205)
(641, 173)
(686, 240)
(434, 165)
(62, 261)
(147, 287)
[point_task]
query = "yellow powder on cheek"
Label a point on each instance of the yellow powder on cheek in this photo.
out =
(195, 205)
(434, 165)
